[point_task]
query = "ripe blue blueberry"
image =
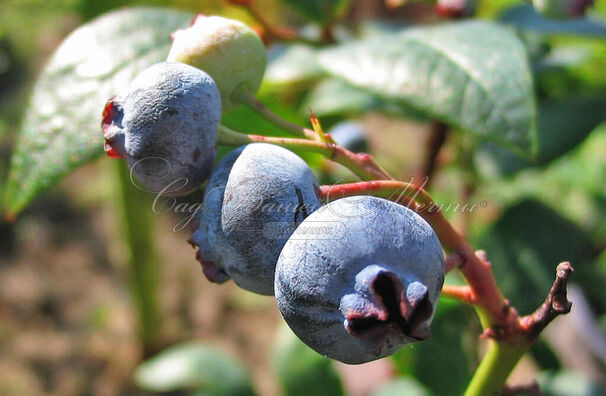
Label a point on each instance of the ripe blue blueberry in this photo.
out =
(351, 135)
(255, 198)
(165, 126)
(360, 278)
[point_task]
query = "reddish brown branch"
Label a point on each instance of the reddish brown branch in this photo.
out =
(435, 142)
(478, 273)
(555, 304)
(454, 260)
(461, 293)
(404, 193)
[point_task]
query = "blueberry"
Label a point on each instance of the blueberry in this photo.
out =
(360, 278)
(351, 135)
(165, 127)
(255, 198)
(562, 9)
(228, 50)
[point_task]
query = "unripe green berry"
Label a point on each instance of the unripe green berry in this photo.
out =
(228, 50)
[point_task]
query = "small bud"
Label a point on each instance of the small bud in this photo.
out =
(228, 50)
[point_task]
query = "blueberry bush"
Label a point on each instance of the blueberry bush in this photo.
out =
(294, 137)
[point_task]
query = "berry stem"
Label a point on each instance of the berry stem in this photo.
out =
(461, 293)
(454, 260)
(393, 190)
(555, 304)
(496, 365)
(363, 165)
(503, 354)
(493, 309)
(249, 99)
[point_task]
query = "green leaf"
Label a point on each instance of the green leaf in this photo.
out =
(402, 386)
(245, 120)
(526, 244)
(61, 126)
(443, 363)
(569, 383)
(322, 11)
(474, 76)
(335, 97)
(301, 371)
(289, 64)
(561, 60)
(563, 125)
(193, 366)
(381, 28)
(525, 17)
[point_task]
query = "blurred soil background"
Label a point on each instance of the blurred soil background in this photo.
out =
(67, 324)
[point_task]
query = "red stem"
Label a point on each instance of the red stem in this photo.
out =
(361, 164)
(393, 190)
(258, 107)
(454, 260)
(461, 293)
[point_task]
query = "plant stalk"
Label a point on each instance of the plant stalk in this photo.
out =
(138, 233)
(361, 164)
(496, 365)
(249, 99)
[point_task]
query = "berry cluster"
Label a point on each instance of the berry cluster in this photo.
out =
(257, 195)
(355, 279)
